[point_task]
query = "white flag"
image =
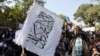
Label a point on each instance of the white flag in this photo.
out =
(41, 31)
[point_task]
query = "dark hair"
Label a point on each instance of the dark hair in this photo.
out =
(98, 47)
(78, 28)
(97, 55)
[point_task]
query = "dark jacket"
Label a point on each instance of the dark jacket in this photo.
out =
(85, 50)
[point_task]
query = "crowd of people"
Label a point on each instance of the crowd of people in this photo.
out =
(7, 46)
(88, 43)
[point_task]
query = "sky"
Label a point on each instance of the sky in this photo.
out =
(65, 7)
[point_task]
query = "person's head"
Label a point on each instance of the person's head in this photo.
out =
(77, 30)
(64, 39)
(98, 48)
(60, 53)
(97, 55)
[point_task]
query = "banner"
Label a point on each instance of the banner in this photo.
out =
(41, 31)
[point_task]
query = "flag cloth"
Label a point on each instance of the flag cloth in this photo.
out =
(41, 31)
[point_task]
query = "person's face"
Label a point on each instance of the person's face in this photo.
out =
(64, 39)
(76, 32)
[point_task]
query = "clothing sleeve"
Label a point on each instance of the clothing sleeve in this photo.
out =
(85, 37)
